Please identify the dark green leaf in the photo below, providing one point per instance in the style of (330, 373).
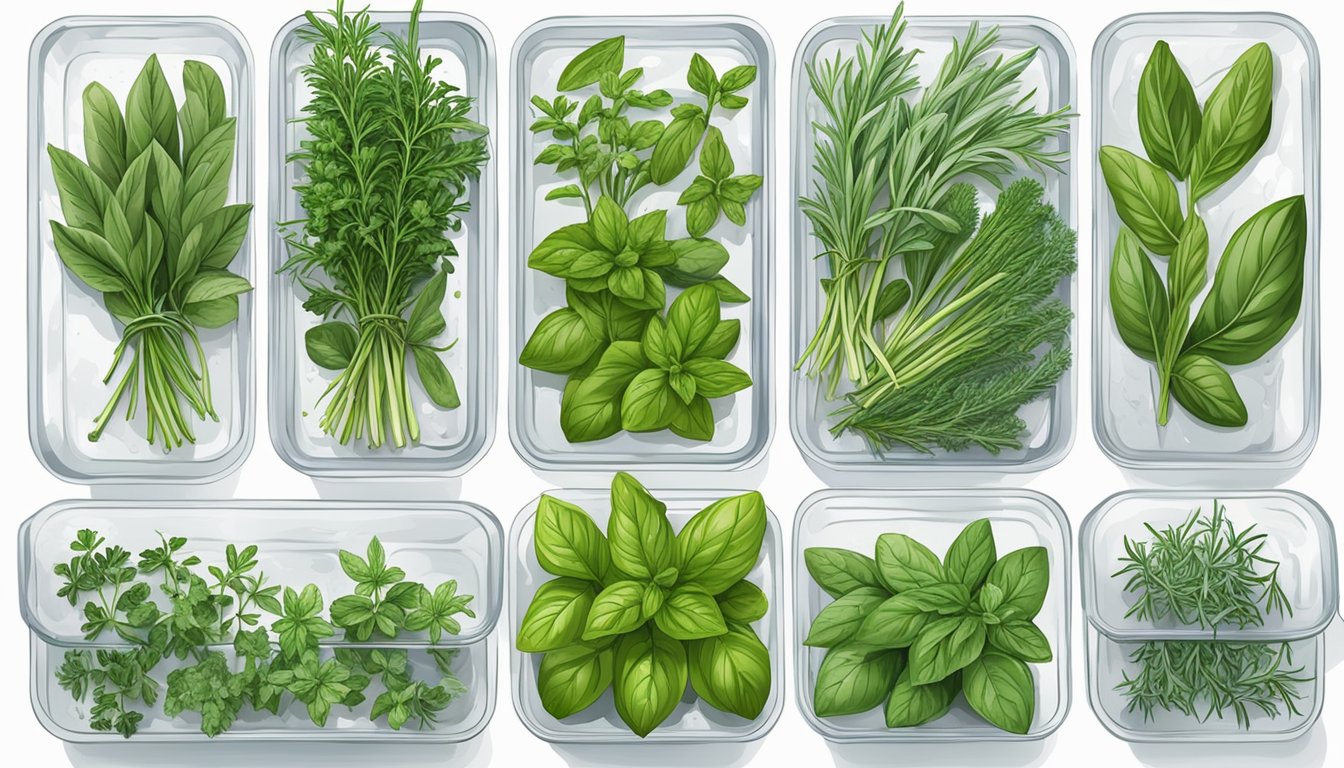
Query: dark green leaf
(104, 135)
(1000, 689)
(331, 345)
(1206, 390)
(910, 705)
(90, 257)
(1144, 197)
(561, 343)
(841, 571)
(1024, 577)
(1022, 640)
(673, 151)
(853, 680)
(971, 555)
(215, 284)
(838, 622)
(1138, 299)
(426, 321)
(435, 378)
(589, 66)
(717, 378)
(151, 114)
(945, 645)
(1236, 121)
(1169, 117)
(84, 196)
(904, 563)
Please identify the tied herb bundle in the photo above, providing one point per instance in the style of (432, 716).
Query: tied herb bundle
(1256, 292)
(935, 331)
(909, 632)
(212, 628)
(628, 365)
(146, 225)
(1205, 572)
(389, 159)
(643, 610)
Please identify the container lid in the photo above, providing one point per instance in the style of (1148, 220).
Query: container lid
(1297, 535)
(298, 543)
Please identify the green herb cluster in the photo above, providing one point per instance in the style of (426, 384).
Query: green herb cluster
(146, 225)
(643, 610)
(209, 624)
(1256, 292)
(389, 159)
(629, 366)
(939, 324)
(908, 632)
(1207, 573)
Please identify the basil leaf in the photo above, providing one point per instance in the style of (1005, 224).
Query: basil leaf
(697, 260)
(894, 623)
(721, 340)
(215, 284)
(651, 675)
(219, 235)
(1257, 289)
(892, 298)
(673, 151)
(1144, 197)
(716, 163)
(435, 377)
(652, 601)
(728, 293)
(84, 196)
(1024, 577)
(607, 56)
(616, 610)
(215, 313)
(701, 76)
(1236, 121)
(1020, 639)
(717, 378)
(331, 344)
(839, 621)
(731, 672)
(573, 678)
(104, 135)
(971, 555)
(945, 645)
(1169, 118)
(904, 563)
(743, 603)
(568, 542)
(556, 616)
(426, 322)
(649, 403)
(560, 344)
(1138, 299)
(910, 705)
(1000, 689)
(557, 252)
(202, 109)
(205, 179)
(591, 407)
(840, 571)
(638, 532)
(722, 542)
(662, 349)
(151, 115)
(1206, 390)
(690, 613)
(737, 78)
(853, 680)
(90, 257)
(694, 421)
(1187, 271)
(692, 317)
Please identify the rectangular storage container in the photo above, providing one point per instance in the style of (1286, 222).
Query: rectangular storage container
(450, 440)
(298, 543)
(662, 46)
(71, 335)
(1050, 79)
(854, 519)
(693, 721)
(1282, 389)
(1299, 536)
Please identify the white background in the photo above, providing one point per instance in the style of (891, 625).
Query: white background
(504, 484)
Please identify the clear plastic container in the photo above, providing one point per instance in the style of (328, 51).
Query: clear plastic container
(298, 544)
(693, 721)
(1300, 537)
(1282, 389)
(663, 46)
(1050, 78)
(451, 441)
(854, 519)
(71, 335)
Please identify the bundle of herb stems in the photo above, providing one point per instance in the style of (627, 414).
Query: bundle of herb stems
(889, 168)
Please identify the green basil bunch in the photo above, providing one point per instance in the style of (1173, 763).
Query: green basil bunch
(643, 610)
(912, 631)
(630, 366)
(1256, 292)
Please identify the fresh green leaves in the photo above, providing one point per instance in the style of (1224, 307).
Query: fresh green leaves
(1256, 293)
(147, 226)
(617, 266)
(644, 610)
(911, 630)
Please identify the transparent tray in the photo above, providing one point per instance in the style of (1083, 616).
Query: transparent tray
(1282, 389)
(854, 519)
(450, 440)
(693, 721)
(71, 335)
(662, 45)
(298, 543)
(1300, 537)
(1050, 420)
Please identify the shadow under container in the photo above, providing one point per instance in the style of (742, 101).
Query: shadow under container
(854, 519)
(298, 544)
(1298, 535)
(693, 721)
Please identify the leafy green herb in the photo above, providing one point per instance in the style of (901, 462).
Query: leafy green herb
(199, 620)
(1256, 292)
(146, 225)
(388, 166)
(630, 366)
(644, 610)
(913, 631)
(937, 325)
(1206, 572)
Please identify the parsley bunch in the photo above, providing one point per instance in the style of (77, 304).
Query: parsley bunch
(233, 660)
